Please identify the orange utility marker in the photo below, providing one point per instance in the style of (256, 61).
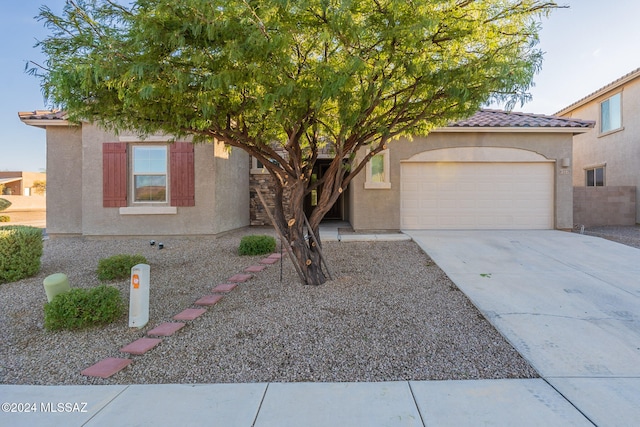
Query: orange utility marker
(139, 296)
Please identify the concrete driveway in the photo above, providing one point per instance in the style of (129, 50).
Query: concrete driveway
(569, 303)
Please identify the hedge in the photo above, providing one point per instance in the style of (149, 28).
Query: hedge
(20, 252)
(81, 308)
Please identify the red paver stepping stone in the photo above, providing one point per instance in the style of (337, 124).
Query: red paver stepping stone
(239, 278)
(275, 256)
(107, 367)
(208, 300)
(255, 268)
(190, 314)
(225, 287)
(166, 329)
(141, 346)
(269, 261)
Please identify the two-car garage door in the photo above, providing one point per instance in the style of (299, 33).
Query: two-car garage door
(477, 195)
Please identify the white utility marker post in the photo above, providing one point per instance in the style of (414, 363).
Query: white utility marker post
(139, 296)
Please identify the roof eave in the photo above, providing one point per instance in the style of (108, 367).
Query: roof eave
(600, 92)
(514, 129)
(43, 123)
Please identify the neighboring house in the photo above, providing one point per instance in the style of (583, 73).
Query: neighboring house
(495, 170)
(100, 184)
(22, 183)
(606, 161)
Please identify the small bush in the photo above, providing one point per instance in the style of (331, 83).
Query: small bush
(256, 245)
(118, 266)
(20, 252)
(80, 308)
(4, 204)
(4, 218)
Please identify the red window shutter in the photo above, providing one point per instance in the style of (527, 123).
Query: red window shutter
(114, 174)
(182, 170)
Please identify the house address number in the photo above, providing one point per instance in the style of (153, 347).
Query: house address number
(565, 171)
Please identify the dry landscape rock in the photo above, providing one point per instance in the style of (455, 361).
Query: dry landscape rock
(391, 314)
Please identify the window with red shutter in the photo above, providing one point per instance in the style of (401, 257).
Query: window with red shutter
(182, 174)
(114, 174)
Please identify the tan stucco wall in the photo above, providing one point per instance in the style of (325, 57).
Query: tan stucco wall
(231, 169)
(620, 150)
(64, 180)
(216, 209)
(379, 209)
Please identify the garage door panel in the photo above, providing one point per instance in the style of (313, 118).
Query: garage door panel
(477, 195)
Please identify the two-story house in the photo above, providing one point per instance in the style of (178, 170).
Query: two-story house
(606, 160)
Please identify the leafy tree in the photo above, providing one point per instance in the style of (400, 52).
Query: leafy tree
(39, 187)
(294, 77)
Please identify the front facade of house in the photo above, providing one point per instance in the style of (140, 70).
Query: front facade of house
(100, 184)
(607, 159)
(495, 170)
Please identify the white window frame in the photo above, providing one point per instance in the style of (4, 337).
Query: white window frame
(257, 167)
(386, 183)
(133, 174)
(606, 106)
(594, 169)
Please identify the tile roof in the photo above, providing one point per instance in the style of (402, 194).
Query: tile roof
(611, 86)
(500, 118)
(482, 119)
(42, 115)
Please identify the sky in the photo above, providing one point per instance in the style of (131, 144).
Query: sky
(587, 46)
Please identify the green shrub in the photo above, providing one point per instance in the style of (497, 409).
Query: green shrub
(20, 252)
(256, 245)
(4, 204)
(118, 266)
(4, 218)
(80, 308)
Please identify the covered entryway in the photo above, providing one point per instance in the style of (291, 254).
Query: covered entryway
(477, 188)
(337, 210)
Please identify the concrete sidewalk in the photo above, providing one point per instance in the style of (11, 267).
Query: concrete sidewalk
(422, 403)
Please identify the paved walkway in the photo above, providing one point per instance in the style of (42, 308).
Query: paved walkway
(569, 303)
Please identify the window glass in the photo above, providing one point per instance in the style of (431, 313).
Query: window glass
(590, 178)
(611, 114)
(150, 174)
(600, 177)
(595, 177)
(377, 168)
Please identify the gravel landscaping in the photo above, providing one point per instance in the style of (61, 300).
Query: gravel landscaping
(391, 314)
(627, 235)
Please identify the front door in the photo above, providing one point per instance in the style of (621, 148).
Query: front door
(311, 201)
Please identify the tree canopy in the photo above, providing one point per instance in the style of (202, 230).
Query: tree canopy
(283, 79)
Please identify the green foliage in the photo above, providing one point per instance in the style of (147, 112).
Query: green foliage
(256, 245)
(350, 73)
(4, 204)
(20, 252)
(273, 76)
(5, 218)
(39, 187)
(80, 308)
(118, 266)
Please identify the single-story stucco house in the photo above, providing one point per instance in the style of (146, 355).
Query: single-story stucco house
(495, 170)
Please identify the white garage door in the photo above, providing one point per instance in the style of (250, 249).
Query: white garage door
(451, 195)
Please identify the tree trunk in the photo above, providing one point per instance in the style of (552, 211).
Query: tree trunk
(305, 250)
